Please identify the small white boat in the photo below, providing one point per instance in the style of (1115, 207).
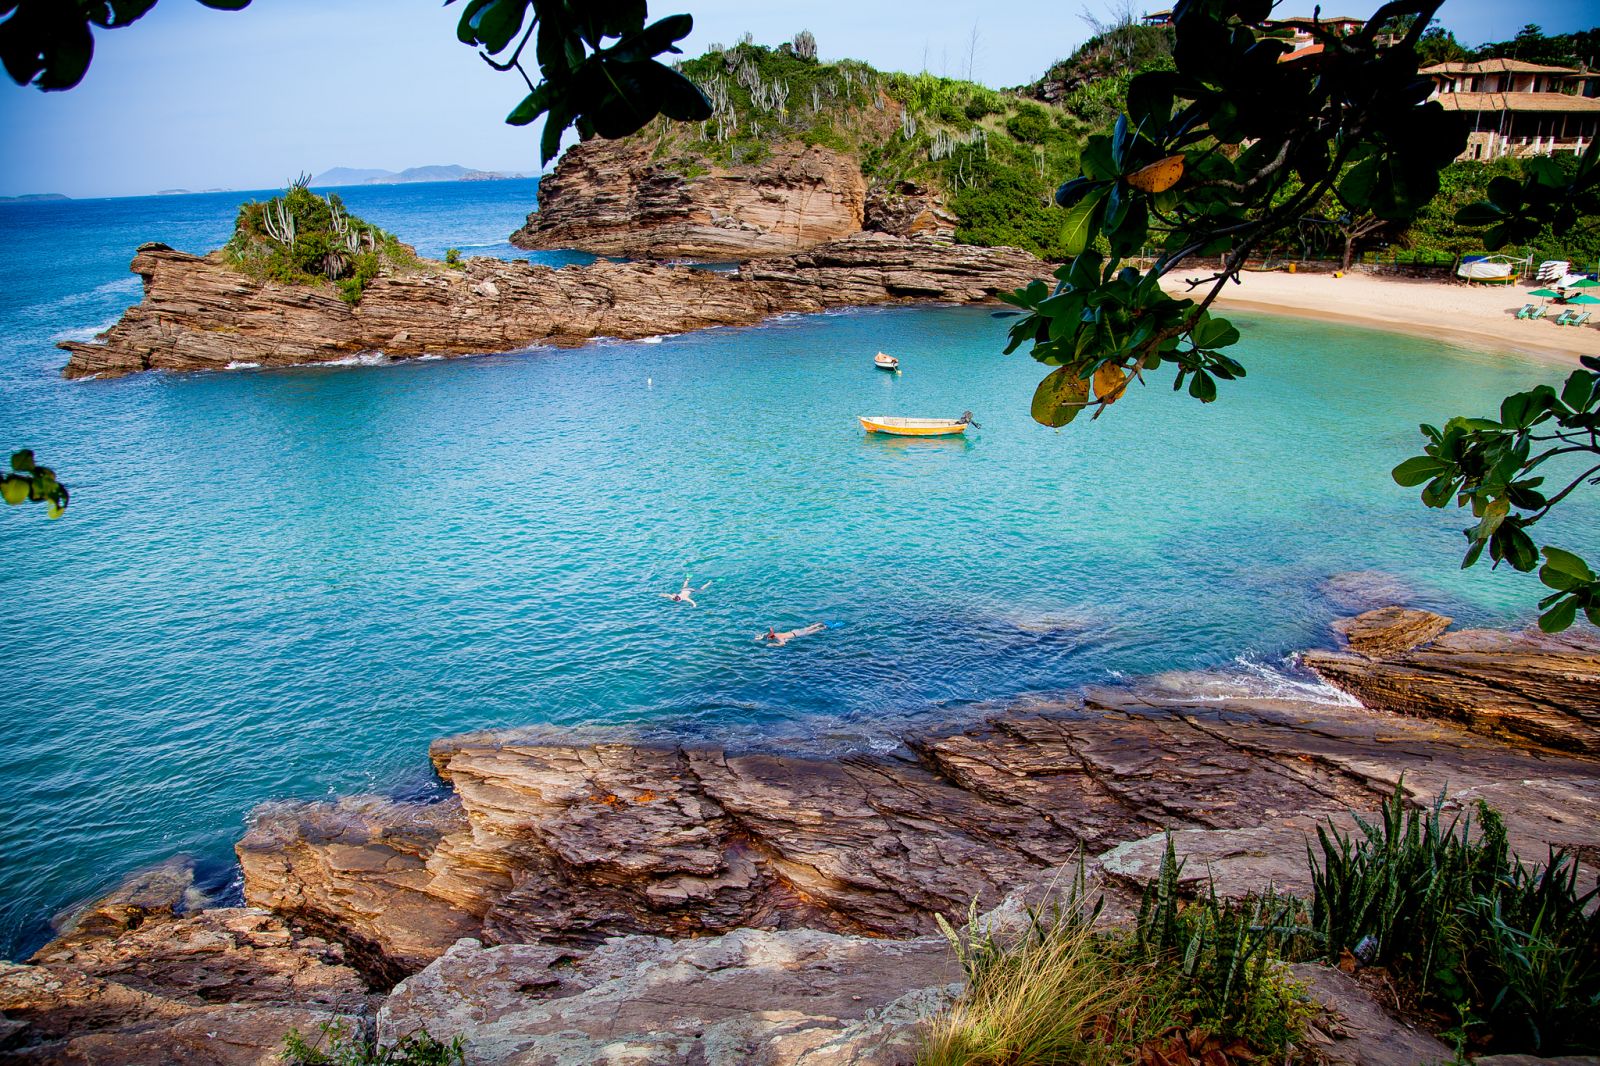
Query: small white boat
(885, 362)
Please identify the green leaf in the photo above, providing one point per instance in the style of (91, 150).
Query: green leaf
(1563, 570)
(1561, 616)
(1203, 387)
(1060, 397)
(533, 105)
(1082, 222)
(1417, 469)
(22, 461)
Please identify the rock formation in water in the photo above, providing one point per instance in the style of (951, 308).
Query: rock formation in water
(1530, 685)
(575, 898)
(200, 314)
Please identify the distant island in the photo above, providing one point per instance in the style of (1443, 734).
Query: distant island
(361, 176)
(33, 198)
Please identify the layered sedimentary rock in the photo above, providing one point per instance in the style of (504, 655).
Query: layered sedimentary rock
(612, 198)
(749, 998)
(137, 983)
(595, 898)
(199, 314)
(546, 841)
(1529, 685)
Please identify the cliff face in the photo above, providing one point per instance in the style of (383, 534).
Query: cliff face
(610, 198)
(199, 314)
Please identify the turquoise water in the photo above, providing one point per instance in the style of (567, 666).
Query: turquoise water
(285, 584)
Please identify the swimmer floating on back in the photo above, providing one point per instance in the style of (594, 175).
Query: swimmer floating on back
(773, 637)
(684, 595)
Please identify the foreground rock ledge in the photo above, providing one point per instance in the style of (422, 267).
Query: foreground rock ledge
(1528, 686)
(613, 901)
(200, 314)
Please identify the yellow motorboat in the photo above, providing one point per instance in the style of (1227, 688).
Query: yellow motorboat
(917, 427)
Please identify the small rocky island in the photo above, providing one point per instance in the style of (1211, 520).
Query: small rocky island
(204, 314)
(586, 898)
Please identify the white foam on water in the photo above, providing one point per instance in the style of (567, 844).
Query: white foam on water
(651, 340)
(86, 333)
(240, 364)
(431, 357)
(359, 359)
(1248, 678)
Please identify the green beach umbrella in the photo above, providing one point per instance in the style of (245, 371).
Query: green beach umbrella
(1548, 294)
(1583, 298)
(1586, 283)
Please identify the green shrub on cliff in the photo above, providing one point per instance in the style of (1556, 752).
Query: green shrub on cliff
(1511, 950)
(300, 238)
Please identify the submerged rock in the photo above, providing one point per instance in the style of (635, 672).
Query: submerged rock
(1529, 685)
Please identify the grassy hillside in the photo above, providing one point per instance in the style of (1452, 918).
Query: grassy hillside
(994, 157)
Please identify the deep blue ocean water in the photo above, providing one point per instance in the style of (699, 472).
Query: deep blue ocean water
(284, 584)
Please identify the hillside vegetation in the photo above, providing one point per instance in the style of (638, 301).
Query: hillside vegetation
(994, 157)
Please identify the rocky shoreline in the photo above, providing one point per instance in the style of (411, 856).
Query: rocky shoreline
(575, 901)
(200, 314)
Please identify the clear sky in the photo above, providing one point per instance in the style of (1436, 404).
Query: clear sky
(198, 99)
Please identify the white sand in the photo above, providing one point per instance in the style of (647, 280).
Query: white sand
(1477, 315)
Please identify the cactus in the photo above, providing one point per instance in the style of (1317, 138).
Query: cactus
(805, 45)
(279, 220)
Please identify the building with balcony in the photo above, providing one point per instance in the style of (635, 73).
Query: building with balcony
(1517, 108)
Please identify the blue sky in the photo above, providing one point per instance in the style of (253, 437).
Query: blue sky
(198, 99)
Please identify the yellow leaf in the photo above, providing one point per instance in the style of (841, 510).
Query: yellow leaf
(1158, 176)
(1110, 383)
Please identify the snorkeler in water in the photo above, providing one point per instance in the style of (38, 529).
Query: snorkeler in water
(685, 594)
(777, 639)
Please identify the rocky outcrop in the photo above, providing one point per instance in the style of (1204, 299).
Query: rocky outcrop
(612, 198)
(609, 198)
(750, 998)
(904, 209)
(1530, 685)
(551, 842)
(138, 984)
(578, 899)
(200, 314)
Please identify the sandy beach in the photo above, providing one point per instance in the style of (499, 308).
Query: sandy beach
(1476, 315)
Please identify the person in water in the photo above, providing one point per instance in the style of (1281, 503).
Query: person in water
(772, 636)
(685, 594)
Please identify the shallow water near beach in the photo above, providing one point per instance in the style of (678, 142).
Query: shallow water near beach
(286, 584)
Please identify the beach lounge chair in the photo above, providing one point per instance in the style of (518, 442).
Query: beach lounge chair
(1538, 312)
(1577, 320)
(1566, 317)
(1526, 312)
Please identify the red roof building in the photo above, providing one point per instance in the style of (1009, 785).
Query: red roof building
(1517, 108)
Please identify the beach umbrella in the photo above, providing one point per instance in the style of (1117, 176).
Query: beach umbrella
(1548, 294)
(1583, 298)
(1586, 283)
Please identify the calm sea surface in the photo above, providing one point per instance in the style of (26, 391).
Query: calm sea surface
(284, 584)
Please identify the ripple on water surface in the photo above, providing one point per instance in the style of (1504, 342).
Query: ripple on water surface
(284, 584)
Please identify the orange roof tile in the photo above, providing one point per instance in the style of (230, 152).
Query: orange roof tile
(1495, 66)
(1557, 102)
